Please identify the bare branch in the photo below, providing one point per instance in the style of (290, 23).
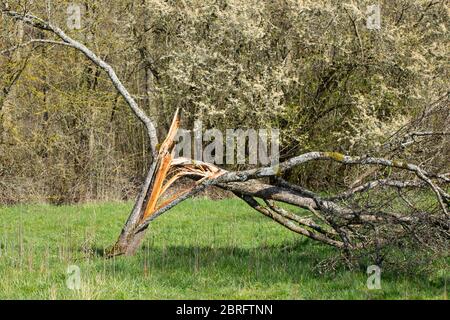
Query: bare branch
(277, 170)
(303, 221)
(42, 41)
(376, 183)
(289, 224)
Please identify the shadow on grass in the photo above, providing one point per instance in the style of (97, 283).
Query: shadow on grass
(284, 263)
(293, 262)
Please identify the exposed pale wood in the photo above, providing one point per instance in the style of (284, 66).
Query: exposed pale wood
(163, 162)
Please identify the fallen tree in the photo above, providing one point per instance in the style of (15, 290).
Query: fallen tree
(405, 201)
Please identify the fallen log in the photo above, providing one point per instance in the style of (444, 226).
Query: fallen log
(331, 223)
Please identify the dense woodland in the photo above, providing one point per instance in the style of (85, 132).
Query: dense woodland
(311, 68)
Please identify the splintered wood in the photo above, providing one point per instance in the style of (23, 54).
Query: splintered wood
(168, 170)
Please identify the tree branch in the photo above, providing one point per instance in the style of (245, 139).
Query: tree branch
(43, 41)
(46, 26)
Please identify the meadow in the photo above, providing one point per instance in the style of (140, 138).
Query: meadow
(201, 249)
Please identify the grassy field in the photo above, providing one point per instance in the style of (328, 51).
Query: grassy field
(201, 249)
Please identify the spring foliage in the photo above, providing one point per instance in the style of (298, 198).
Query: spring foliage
(311, 68)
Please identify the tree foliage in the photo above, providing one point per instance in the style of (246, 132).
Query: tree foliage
(311, 68)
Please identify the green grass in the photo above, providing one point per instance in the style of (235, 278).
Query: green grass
(201, 249)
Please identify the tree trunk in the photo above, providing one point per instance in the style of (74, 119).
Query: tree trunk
(128, 242)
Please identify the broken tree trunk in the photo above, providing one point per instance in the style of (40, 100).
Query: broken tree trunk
(159, 179)
(146, 203)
